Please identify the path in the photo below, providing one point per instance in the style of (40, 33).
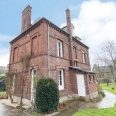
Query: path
(108, 101)
(10, 111)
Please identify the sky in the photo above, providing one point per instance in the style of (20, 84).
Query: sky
(94, 21)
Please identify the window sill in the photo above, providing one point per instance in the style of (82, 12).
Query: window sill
(75, 60)
(61, 89)
(90, 81)
(60, 56)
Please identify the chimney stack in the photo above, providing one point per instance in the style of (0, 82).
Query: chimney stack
(68, 19)
(69, 30)
(26, 18)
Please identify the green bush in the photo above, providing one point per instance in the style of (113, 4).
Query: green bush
(47, 95)
(102, 93)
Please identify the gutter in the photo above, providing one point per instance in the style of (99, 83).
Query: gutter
(88, 85)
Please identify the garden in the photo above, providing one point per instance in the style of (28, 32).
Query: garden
(98, 112)
(111, 87)
(48, 101)
(2, 87)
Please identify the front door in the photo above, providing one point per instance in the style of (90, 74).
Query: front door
(81, 85)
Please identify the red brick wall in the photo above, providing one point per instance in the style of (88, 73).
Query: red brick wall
(58, 62)
(92, 85)
(40, 57)
(79, 49)
(74, 84)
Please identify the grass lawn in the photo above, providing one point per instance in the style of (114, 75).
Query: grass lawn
(2, 92)
(35, 114)
(3, 95)
(109, 87)
(97, 112)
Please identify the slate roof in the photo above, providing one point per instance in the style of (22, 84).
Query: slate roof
(38, 20)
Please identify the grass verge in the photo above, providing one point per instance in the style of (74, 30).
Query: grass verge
(2, 92)
(3, 95)
(109, 87)
(97, 112)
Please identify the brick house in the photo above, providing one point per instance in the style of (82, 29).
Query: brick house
(56, 53)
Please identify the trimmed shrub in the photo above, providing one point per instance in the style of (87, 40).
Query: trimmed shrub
(47, 95)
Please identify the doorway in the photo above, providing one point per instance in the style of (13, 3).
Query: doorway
(81, 85)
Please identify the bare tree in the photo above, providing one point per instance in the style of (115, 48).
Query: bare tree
(99, 72)
(107, 57)
(9, 85)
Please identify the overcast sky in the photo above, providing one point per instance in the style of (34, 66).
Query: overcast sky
(94, 21)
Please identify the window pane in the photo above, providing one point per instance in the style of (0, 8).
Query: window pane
(75, 63)
(83, 57)
(59, 48)
(60, 79)
(34, 73)
(74, 52)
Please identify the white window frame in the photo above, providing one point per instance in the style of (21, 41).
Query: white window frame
(75, 63)
(83, 57)
(61, 79)
(59, 48)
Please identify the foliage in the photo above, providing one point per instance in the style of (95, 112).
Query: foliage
(105, 80)
(102, 93)
(36, 79)
(109, 88)
(62, 106)
(3, 77)
(25, 58)
(2, 70)
(35, 114)
(107, 58)
(97, 112)
(2, 85)
(3, 95)
(99, 88)
(9, 79)
(2, 82)
(47, 95)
